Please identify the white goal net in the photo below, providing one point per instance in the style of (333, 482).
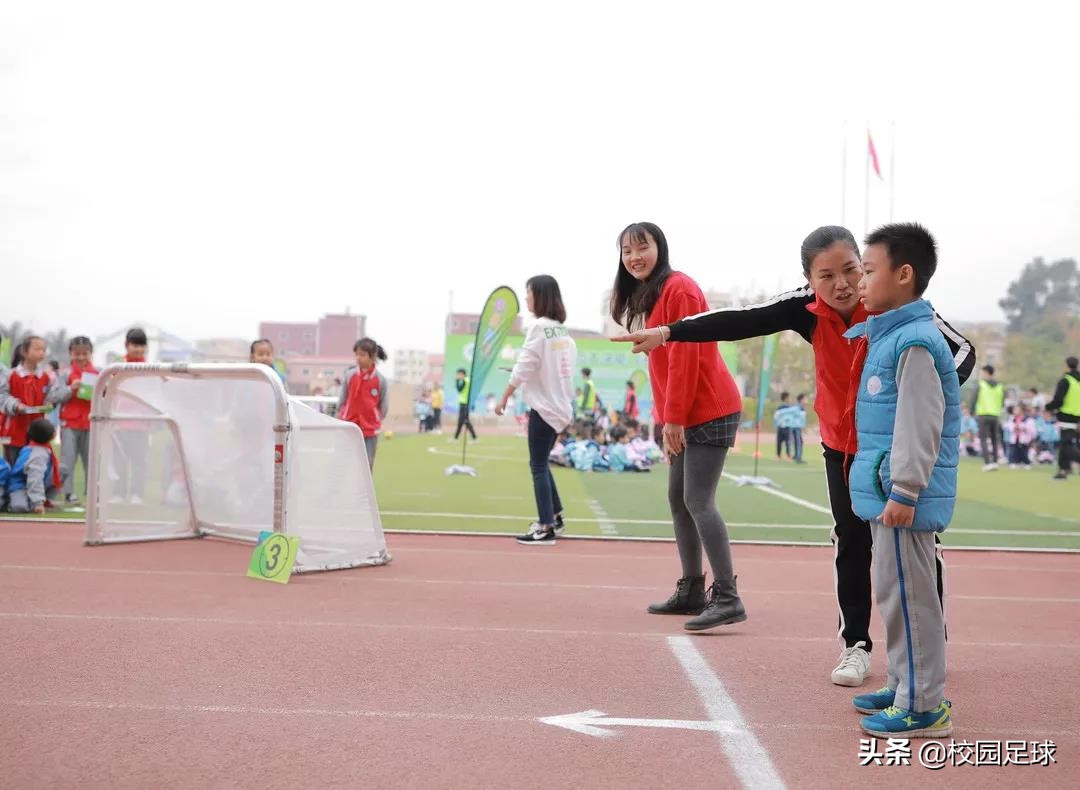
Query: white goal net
(179, 451)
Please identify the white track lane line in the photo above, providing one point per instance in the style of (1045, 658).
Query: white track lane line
(745, 752)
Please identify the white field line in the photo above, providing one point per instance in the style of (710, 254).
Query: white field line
(736, 524)
(806, 503)
(246, 710)
(745, 752)
(374, 579)
(607, 527)
(457, 629)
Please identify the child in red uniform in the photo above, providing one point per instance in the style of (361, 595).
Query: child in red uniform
(75, 416)
(132, 438)
(30, 386)
(364, 396)
(698, 403)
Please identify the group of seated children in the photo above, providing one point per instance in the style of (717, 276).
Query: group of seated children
(1026, 436)
(625, 447)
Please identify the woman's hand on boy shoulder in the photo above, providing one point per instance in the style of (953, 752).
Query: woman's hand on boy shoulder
(897, 515)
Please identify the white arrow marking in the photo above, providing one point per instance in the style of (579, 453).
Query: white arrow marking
(594, 722)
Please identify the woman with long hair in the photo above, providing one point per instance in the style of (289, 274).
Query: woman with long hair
(696, 400)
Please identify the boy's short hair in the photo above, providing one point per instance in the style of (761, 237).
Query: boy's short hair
(785, 395)
(989, 369)
(617, 432)
(461, 371)
(41, 431)
(586, 371)
(908, 243)
(135, 337)
(1072, 363)
(631, 423)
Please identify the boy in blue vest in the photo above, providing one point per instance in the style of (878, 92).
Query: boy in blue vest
(903, 479)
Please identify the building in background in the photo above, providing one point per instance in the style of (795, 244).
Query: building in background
(222, 349)
(466, 323)
(162, 346)
(411, 366)
(333, 335)
(315, 353)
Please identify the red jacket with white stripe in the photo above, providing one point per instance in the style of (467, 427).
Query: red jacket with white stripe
(690, 382)
(75, 413)
(365, 400)
(24, 388)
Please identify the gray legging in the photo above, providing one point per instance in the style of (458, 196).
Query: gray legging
(692, 481)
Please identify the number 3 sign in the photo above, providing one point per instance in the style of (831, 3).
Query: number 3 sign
(273, 558)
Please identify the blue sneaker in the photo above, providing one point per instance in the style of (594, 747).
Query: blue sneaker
(936, 723)
(874, 701)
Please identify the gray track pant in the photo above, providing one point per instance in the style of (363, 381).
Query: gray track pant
(74, 444)
(905, 581)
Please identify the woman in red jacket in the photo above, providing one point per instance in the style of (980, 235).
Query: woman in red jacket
(696, 400)
(821, 312)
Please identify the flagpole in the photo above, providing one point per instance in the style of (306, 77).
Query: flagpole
(892, 171)
(843, 178)
(866, 186)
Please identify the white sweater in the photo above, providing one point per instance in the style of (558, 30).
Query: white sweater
(546, 367)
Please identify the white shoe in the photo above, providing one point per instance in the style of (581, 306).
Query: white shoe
(854, 666)
(990, 467)
(116, 499)
(135, 499)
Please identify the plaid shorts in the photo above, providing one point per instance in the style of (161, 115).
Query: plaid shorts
(716, 433)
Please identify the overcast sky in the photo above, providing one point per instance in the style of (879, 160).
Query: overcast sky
(207, 165)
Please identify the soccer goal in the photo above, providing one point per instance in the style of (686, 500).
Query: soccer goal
(183, 451)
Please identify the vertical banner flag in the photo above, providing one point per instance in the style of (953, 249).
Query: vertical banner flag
(5, 350)
(496, 321)
(767, 351)
(872, 153)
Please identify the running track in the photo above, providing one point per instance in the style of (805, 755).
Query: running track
(162, 665)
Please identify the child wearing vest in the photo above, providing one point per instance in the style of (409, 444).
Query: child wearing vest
(364, 396)
(903, 479)
(35, 475)
(29, 390)
(75, 415)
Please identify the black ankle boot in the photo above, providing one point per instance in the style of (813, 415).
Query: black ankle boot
(724, 607)
(689, 598)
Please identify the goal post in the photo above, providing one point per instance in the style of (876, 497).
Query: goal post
(193, 450)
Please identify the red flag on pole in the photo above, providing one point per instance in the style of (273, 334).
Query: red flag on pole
(872, 153)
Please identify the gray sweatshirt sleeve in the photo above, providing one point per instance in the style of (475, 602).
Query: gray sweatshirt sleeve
(35, 477)
(7, 401)
(920, 416)
(384, 397)
(344, 394)
(57, 392)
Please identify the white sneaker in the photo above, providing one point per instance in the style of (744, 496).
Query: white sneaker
(990, 467)
(854, 666)
(135, 499)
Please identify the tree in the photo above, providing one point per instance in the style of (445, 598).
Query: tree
(1043, 290)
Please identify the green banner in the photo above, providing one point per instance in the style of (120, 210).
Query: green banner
(496, 320)
(5, 351)
(768, 348)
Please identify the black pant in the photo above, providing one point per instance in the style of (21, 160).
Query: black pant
(783, 440)
(853, 545)
(1068, 451)
(989, 436)
(541, 439)
(437, 418)
(463, 421)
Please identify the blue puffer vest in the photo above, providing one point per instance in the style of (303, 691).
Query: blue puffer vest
(889, 335)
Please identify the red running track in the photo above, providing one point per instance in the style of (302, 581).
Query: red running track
(162, 665)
